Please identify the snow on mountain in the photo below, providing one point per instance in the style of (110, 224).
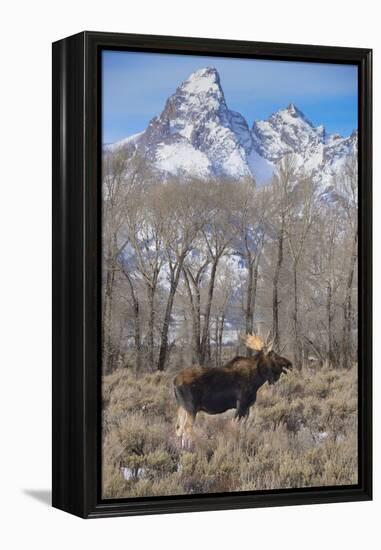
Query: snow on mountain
(198, 135)
(287, 131)
(130, 140)
(336, 152)
(179, 157)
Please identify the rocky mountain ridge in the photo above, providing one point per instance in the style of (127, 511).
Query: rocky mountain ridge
(197, 135)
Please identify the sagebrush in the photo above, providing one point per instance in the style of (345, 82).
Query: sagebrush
(302, 432)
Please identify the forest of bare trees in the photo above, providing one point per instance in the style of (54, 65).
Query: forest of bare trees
(189, 267)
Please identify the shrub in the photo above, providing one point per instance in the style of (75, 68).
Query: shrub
(302, 432)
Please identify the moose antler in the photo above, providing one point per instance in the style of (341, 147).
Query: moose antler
(258, 344)
(282, 349)
(269, 342)
(254, 342)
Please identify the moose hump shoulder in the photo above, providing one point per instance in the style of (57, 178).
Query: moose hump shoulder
(233, 386)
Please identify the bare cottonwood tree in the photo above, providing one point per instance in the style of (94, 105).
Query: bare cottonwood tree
(225, 287)
(299, 222)
(195, 270)
(349, 201)
(121, 171)
(249, 237)
(136, 309)
(191, 264)
(180, 208)
(146, 229)
(282, 185)
(217, 234)
(325, 271)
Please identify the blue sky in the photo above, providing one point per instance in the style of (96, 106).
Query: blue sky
(136, 86)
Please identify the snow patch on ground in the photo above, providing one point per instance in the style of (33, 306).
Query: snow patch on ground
(128, 473)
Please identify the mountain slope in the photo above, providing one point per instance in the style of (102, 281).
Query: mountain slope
(196, 133)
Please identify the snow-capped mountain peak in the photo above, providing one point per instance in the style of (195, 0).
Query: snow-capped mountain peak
(203, 81)
(197, 135)
(294, 112)
(288, 131)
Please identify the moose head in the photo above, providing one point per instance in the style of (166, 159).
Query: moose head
(270, 364)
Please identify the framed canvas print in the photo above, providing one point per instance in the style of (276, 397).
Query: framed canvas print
(212, 274)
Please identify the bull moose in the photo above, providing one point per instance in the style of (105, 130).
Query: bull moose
(233, 386)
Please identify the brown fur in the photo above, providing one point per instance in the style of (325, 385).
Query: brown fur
(233, 386)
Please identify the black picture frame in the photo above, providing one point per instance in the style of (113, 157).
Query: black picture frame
(76, 273)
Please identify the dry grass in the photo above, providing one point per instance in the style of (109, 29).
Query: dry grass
(302, 432)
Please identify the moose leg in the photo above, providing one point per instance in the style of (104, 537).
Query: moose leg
(242, 409)
(187, 438)
(241, 412)
(181, 420)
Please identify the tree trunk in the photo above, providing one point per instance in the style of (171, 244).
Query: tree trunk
(205, 332)
(167, 316)
(329, 320)
(249, 302)
(107, 319)
(216, 340)
(220, 338)
(347, 326)
(298, 363)
(208, 351)
(120, 355)
(275, 328)
(197, 331)
(151, 325)
(254, 295)
(250, 299)
(195, 302)
(136, 310)
(137, 337)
